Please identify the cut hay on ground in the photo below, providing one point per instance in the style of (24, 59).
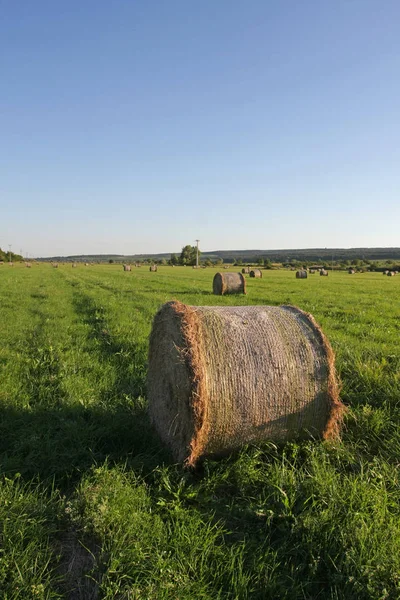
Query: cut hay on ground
(229, 283)
(220, 377)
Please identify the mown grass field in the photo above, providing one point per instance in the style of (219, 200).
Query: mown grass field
(92, 507)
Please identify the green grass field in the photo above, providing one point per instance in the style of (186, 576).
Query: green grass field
(92, 507)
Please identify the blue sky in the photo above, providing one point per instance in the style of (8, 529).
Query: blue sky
(139, 126)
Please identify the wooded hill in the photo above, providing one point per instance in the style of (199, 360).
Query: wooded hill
(251, 256)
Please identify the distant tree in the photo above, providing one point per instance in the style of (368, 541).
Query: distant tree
(267, 263)
(173, 260)
(188, 255)
(111, 261)
(260, 261)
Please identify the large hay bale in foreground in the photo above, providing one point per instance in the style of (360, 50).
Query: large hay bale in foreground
(301, 275)
(255, 273)
(223, 376)
(229, 283)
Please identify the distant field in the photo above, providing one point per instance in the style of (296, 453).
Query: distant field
(91, 505)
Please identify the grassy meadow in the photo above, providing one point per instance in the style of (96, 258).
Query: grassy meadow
(92, 506)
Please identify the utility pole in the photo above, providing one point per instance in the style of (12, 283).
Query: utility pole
(197, 254)
(9, 252)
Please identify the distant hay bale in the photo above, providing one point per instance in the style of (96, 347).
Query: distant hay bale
(74, 265)
(226, 266)
(28, 265)
(11, 264)
(351, 271)
(220, 377)
(246, 270)
(323, 273)
(153, 268)
(55, 265)
(229, 283)
(312, 271)
(391, 274)
(127, 268)
(301, 275)
(256, 273)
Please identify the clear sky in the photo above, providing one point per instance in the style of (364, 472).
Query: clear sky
(132, 126)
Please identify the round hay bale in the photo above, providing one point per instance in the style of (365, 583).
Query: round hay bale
(255, 273)
(391, 274)
(312, 271)
(301, 275)
(385, 272)
(223, 376)
(127, 268)
(323, 273)
(153, 268)
(246, 270)
(351, 271)
(229, 283)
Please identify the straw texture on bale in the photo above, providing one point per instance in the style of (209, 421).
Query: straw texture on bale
(220, 377)
(255, 273)
(229, 283)
(301, 275)
(127, 268)
(323, 272)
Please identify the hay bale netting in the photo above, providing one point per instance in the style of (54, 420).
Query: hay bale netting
(229, 283)
(255, 273)
(323, 273)
(223, 376)
(127, 268)
(153, 268)
(301, 275)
